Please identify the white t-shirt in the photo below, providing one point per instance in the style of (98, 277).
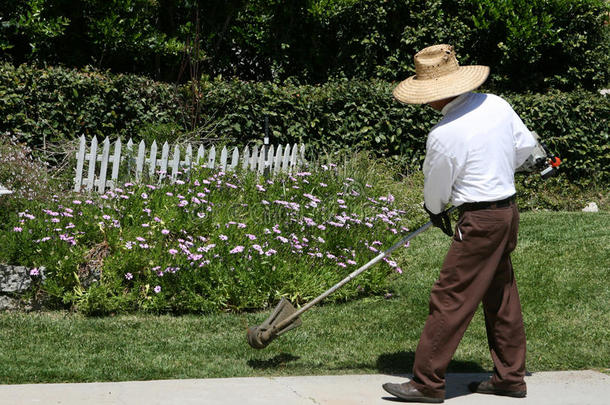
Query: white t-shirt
(472, 153)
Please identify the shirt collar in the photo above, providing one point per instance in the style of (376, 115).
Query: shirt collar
(455, 102)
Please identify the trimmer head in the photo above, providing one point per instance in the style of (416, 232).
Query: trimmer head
(260, 336)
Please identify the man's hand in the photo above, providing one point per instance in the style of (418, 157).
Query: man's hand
(441, 221)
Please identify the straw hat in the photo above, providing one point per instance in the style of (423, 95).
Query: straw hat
(438, 76)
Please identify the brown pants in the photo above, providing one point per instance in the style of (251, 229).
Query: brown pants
(477, 268)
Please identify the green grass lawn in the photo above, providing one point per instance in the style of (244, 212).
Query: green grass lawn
(563, 271)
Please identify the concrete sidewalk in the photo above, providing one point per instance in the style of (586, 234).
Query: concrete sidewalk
(546, 388)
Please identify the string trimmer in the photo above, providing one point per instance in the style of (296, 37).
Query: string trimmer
(286, 317)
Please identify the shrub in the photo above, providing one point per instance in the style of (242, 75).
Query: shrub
(56, 104)
(363, 115)
(575, 126)
(27, 177)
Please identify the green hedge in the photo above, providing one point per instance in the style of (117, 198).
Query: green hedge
(56, 104)
(348, 114)
(62, 104)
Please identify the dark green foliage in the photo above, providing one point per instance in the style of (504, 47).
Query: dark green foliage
(125, 35)
(53, 105)
(530, 44)
(575, 126)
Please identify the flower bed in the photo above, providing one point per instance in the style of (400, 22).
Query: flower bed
(217, 242)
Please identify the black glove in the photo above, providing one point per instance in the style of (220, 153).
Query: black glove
(441, 221)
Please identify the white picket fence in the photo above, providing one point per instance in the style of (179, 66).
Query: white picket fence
(266, 159)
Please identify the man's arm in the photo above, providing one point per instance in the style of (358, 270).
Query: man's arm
(525, 141)
(439, 170)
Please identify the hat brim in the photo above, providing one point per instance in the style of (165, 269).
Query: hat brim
(465, 79)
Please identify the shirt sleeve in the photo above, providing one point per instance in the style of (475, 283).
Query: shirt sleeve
(439, 172)
(524, 141)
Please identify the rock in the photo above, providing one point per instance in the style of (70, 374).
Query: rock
(8, 303)
(592, 207)
(14, 279)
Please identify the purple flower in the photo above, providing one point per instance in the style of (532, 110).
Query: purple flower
(223, 237)
(165, 231)
(34, 272)
(157, 289)
(17, 229)
(172, 251)
(237, 249)
(128, 276)
(309, 221)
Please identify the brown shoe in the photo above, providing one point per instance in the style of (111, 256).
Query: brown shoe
(486, 387)
(408, 393)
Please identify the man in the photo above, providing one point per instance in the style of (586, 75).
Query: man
(471, 157)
